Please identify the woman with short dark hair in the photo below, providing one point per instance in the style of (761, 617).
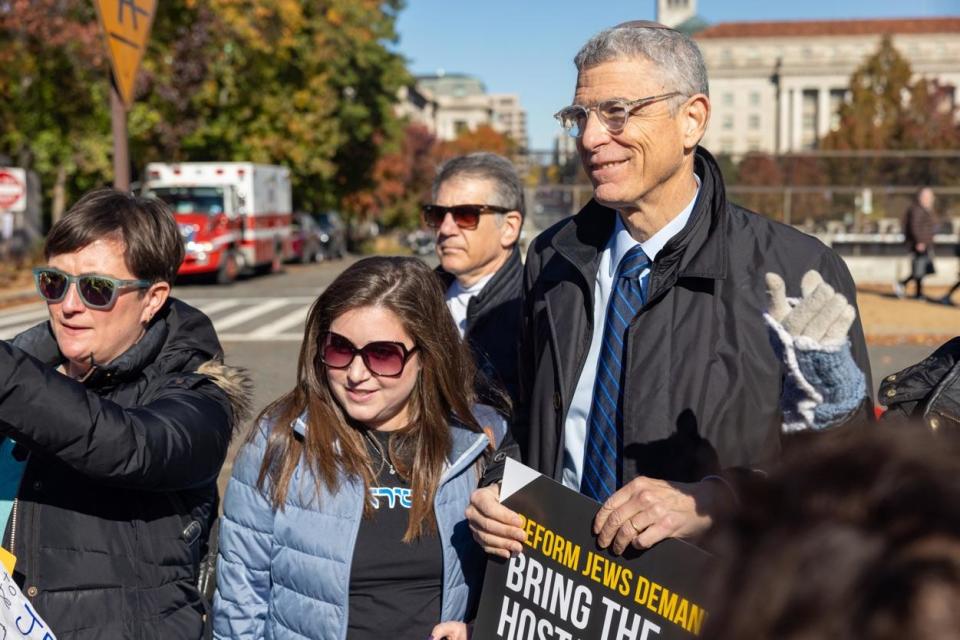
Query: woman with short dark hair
(117, 413)
(345, 513)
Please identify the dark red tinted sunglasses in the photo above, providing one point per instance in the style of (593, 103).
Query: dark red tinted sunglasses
(467, 216)
(382, 358)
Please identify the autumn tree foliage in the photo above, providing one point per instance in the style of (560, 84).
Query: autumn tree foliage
(401, 181)
(889, 110)
(482, 138)
(403, 175)
(54, 114)
(306, 84)
(760, 170)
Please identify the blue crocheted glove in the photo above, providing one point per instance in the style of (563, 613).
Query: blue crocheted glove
(823, 384)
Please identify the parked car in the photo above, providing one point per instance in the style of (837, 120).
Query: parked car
(333, 234)
(421, 242)
(308, 239)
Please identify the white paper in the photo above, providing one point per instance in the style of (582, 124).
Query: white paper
(18, 620)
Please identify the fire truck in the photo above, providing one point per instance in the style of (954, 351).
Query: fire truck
(234, 216)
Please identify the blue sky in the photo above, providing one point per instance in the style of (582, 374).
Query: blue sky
(527, 46)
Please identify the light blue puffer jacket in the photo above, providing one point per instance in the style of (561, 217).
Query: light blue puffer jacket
(285, 575)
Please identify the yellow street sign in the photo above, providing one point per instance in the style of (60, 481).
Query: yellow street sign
(126, 27)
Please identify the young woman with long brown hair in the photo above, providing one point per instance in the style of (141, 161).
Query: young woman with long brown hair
(345, 512)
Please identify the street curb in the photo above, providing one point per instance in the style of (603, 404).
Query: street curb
(908, 339)
(16, 296)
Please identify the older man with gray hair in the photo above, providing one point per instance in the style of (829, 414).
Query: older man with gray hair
(477, 213)
(648, 380)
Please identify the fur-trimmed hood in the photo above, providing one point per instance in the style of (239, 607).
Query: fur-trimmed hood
(236, 383)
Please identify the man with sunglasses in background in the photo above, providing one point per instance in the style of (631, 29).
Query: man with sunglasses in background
(648, 381)
(477, 213)
(116, 415)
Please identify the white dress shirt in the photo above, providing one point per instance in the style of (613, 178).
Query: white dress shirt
(458, 297)
(575, 428)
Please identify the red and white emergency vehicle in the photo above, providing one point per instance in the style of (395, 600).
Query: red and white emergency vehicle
(234, 216)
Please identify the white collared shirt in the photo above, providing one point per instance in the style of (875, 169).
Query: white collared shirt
(458, 297)
(620, 242)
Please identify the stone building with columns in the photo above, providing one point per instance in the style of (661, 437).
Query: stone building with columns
(776, 86)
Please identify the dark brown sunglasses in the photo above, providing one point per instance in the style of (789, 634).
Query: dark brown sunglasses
(466, 216)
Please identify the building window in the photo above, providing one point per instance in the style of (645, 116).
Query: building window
(459, 126)
(728, 121)
(726, 145)
(754, 98)
(754, 121)
(728, 99)
(837, 97)
(753, 144)
(808, 119)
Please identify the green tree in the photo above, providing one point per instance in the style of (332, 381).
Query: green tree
(305, 84)
(54, 116)
(301, 83)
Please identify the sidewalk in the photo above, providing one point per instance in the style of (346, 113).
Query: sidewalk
(889, 321)
(16, 289)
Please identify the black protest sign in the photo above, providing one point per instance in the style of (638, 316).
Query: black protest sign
(564, 587)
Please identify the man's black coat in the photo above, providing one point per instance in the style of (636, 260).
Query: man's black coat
(493, 324)
(702, 381)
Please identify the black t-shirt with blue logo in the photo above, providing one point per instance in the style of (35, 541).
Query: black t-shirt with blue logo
(395, 587)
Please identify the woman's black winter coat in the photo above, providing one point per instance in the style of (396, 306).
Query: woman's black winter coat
(119, 491)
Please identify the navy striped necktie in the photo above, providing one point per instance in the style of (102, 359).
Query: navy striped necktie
(603, 456)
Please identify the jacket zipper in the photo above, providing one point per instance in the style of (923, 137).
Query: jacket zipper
(13, 527)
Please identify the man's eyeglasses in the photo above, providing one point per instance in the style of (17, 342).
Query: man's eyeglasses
(467, 216)
(613, 114)
(382, 358)
(96, 291)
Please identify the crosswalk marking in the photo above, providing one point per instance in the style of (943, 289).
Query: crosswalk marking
(258, 319)
(215, 306)
(34, 315)
(247, 315)
(280, 325)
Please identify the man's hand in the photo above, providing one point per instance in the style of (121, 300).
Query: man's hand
(495, 528)
(645, 511)
(450, 631)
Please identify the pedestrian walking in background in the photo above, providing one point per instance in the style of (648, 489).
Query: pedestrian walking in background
(919, 225)
(344, 517)
(117, 413)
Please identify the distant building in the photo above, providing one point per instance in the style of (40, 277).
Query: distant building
(564, 148)
(776, 86)
(416, 106)
(680, 15)
(509, 117)
(460, 102)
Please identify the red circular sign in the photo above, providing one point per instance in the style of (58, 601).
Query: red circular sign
(11, 190)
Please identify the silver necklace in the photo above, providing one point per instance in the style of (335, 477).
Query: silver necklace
(384, 456)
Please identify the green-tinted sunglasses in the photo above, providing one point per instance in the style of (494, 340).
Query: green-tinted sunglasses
(96, 291)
